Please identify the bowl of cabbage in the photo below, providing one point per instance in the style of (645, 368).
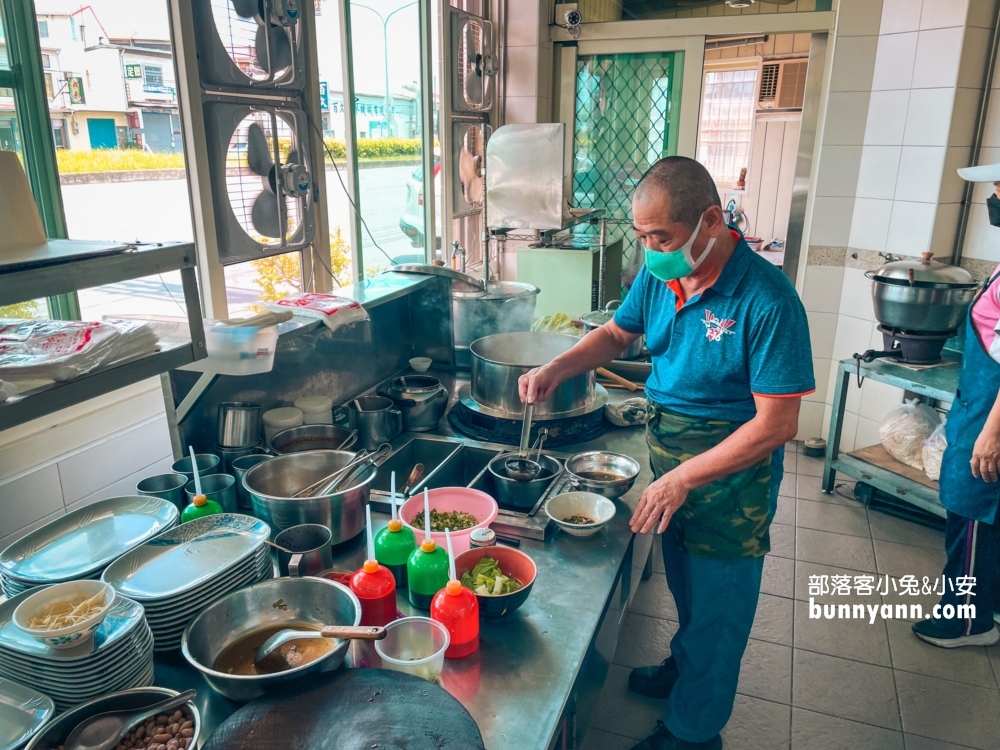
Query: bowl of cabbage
(500, 577)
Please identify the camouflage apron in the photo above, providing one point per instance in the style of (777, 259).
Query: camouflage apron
(726, 519)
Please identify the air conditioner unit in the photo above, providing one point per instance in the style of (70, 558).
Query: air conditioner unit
(782, 85)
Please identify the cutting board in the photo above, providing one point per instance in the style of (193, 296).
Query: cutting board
(352, 709)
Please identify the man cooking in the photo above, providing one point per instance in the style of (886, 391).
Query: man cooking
(731, 361)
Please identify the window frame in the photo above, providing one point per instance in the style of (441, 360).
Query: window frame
(739, 63)
(146, 68)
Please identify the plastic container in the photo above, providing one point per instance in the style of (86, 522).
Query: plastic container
(315, 409)
(479, 504)
(375, 588)
(415, 645)
(426, 573)
(457, 609)
(393, 546)
(237, 350)
(282, 418)
(200, 506)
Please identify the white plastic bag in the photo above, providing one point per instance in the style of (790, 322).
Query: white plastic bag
(905, 429)
(932, 452)
(332, 310)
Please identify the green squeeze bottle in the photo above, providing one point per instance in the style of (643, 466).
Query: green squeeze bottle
(394, 544)
(427, 566)
(200, 505)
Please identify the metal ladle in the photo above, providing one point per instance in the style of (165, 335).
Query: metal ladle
(521, 468)
(364, 633)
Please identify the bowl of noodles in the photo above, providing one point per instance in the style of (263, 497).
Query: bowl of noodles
(65, 615)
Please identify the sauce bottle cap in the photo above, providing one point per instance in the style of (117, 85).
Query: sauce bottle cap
(370, 566)
(428, 545)
(453, 587)
(395, 525)
(199, 500)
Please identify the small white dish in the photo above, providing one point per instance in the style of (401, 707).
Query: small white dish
(588, 504)
(421, 364)
(72, 635)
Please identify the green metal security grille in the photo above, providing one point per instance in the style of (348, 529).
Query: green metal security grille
(627, 108)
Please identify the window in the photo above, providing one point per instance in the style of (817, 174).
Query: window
(59, 133)
(49, 88)
(43, 29)
(152, 75)
(46, 61)
(727, 119)
(72, 27)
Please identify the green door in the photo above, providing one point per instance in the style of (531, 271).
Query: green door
(102, 132)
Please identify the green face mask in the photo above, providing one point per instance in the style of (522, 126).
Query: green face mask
(675, 264)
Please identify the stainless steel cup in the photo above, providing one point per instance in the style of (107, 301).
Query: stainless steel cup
(239, 424)
(240, 467)
(165, 486)
(208, 463)
(377, 421)
(310, 545)
(228, 455)
(218, 487)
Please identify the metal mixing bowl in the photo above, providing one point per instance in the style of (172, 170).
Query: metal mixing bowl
(623, 467)
(56, 731)
(317, 601)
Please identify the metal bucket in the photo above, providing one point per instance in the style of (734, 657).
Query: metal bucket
(507, 307)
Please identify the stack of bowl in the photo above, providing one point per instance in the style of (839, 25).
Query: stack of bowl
(182, 571)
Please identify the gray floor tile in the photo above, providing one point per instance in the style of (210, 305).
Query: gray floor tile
(773, 622)
(786, 510)
(766, 672)
(623, 712)
(596, 739)
(794, 445)
(791, 462)
(892, 529)
(644, 640)
(924, 603)
(949, 711)
(757, 725)
(899, 560)
(779, 576)
(839, 550)
(850, 639)
(994, 654)
(848, 689)
(837, 519)
(787, 485)
(809, 466)
(915, 742)
(910, 654)
(815, 731)
(806, 571)
(654, 599)
(810, 488)
(782, 540)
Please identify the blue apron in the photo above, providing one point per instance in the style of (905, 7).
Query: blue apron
(978, 386)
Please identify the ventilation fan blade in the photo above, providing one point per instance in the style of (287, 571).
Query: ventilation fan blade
(258, 151)
(473, 86)
(264, 214)
(293, 157)
(245, 8)
(281, 49)
(471, 43)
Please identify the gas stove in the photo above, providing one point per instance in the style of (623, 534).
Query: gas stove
(909, 347)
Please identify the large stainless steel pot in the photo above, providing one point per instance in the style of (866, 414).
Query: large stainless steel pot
(499, 360)
(596, 318)
(422, 399)
(272, 483)
(921, 295)
(311, 437)
(506, 307)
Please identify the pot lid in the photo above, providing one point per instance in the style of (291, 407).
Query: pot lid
(460, 282)
(600, 317)
(924, 271)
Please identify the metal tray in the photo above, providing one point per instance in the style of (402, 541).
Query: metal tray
(181, 559)
(23, 711)
(80, 543)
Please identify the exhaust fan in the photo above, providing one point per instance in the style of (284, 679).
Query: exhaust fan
(468, 164)
(475, 62)
(260, 179)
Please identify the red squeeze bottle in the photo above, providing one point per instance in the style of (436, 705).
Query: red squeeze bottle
(457, 609)
(375, 588)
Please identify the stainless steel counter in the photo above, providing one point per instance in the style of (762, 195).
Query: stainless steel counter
(545, 662)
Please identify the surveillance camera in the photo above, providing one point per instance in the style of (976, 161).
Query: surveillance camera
(573, 17)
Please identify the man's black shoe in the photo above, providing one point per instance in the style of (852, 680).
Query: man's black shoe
(654, 682)
(661, 739)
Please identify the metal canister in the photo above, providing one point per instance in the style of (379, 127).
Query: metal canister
(483, 538)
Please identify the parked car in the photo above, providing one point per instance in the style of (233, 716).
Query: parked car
(412, 221)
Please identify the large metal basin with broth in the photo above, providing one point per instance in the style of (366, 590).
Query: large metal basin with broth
(272, 483)
(499, 360)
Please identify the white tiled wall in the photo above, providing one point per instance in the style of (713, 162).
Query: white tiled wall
(108, 467)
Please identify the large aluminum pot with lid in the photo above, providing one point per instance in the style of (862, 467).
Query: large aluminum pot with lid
(596, 318)
(422, 399)
(499, 360)
(923, 295)
(504, 307)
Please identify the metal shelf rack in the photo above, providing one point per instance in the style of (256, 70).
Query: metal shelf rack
(18, 284)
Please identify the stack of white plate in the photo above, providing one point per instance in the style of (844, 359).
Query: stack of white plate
(81, 544)
(183, 570)
(119, 657)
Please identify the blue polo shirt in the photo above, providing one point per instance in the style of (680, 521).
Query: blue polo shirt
(746, 334)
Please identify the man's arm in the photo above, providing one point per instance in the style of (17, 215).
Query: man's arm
(597, 348)
(986, 452)
(775, 424)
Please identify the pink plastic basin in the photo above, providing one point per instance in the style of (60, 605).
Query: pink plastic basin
(479, 504)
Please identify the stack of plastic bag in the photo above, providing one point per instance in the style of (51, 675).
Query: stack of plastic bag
(334, 311)
(933, 451)
(905, 429)
(65, 349)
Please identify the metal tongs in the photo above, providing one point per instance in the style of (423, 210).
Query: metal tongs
(330, 484)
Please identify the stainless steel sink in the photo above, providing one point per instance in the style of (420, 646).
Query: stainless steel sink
(462, 468)
(432, 453)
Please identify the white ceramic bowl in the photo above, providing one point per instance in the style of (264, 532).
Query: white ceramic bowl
(73, 635)
(421, 364)
(588, 504)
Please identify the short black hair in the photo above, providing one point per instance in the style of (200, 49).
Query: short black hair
(689, 185)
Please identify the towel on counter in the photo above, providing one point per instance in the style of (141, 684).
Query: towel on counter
(628, 413)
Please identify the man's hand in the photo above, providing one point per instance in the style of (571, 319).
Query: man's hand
(986, 456)
(660, 500)
(537, 385)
